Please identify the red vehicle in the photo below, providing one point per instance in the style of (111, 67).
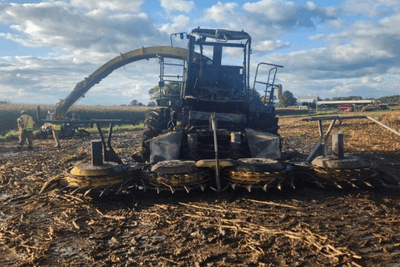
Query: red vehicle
(347, 107)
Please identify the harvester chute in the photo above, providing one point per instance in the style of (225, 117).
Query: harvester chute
(135, 55)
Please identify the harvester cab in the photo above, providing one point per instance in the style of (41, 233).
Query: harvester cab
(221, 122)
(208, 79)
(216, 79)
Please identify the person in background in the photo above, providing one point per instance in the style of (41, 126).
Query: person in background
(25, 125)
(56, 128)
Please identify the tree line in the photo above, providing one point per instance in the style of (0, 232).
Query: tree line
(287, 98)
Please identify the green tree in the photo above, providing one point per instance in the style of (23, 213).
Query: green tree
(340, 98)
(135, 103)
(287, 99)
(393, 100)
(170, 88)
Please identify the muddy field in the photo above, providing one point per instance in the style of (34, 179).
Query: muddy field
(307, 226)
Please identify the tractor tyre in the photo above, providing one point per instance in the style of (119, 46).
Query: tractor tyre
(155, 122)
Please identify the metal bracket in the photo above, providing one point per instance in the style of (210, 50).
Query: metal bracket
(109, 153)
(321, 148)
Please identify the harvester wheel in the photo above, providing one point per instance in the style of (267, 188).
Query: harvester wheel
(155, 122)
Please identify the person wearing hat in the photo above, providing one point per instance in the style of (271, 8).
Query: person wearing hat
(25, 126)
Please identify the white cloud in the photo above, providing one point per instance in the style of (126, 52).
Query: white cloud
(277, 10)
(378, 79)
(179, 24)
(372, 79)
(119, 5)
(336, 24)
(344, 89)
(360, 60)
(289, 14)
(316, 36)
(370, 40)
(48, 80)
(60, 26)
(179, 5)
(221, 12)
(37, 77)
(270, 45)
(371, 8)
(311, 5)
(80, 42)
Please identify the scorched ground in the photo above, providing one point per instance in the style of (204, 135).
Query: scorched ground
(307, 226)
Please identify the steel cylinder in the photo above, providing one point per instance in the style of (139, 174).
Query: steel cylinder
(278, 91)
(337, 146)
(97, 153)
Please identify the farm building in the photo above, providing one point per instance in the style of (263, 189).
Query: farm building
(345, 104)
(307, 99)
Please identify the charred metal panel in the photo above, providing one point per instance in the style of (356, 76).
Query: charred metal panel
(221, 34)
(263, 145)
(258, 106)
(165, 147)
(226, 117)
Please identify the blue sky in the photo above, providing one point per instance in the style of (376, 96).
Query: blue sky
(328, 48)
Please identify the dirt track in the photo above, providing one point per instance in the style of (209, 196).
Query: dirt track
(303, 227)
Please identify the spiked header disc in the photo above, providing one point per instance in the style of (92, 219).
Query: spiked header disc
(349, 162)
(174, 167)
(88, 170)
(210, 163)
(87, 175)
(260, 165)
(173, 174)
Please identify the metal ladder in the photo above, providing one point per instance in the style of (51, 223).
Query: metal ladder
(269, 86)
(169, 77)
